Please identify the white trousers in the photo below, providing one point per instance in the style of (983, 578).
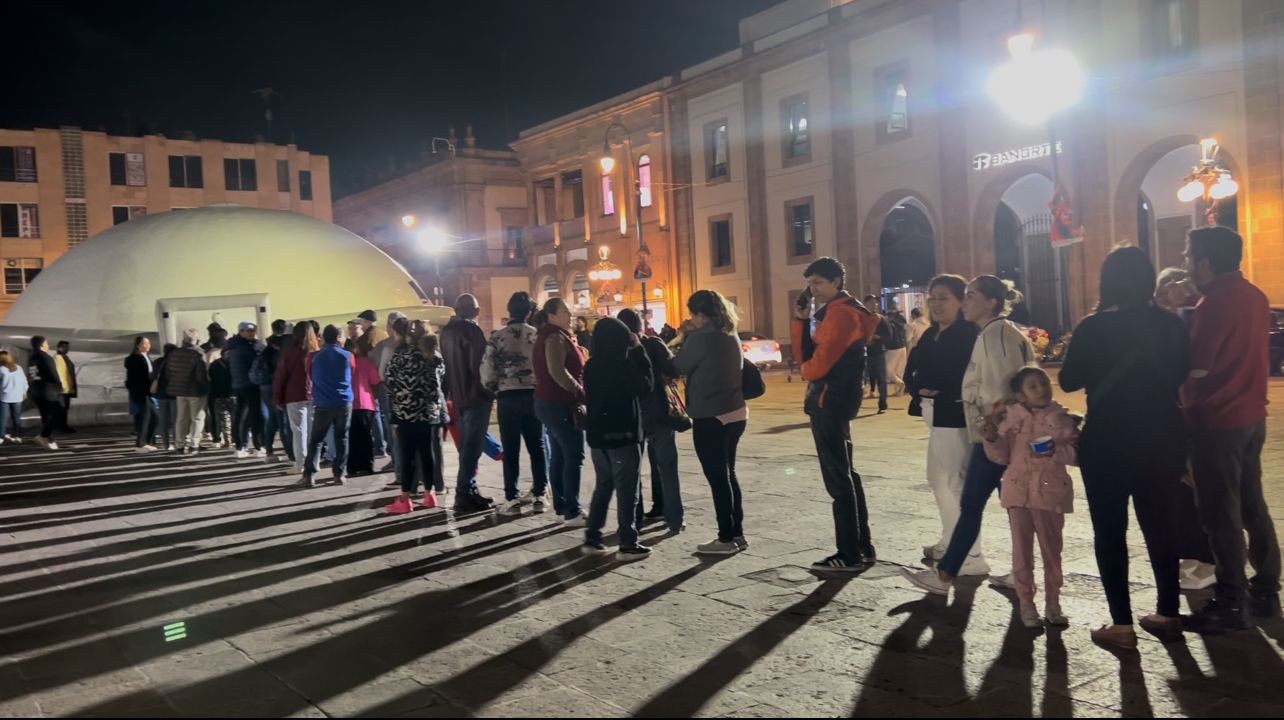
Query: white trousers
(300, 415)
(191, 421)
(948, 451)
(896, 367)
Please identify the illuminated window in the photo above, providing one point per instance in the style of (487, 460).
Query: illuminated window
(891, 83)
(608, 196)
(797, 139)
(644, 179)
(716, 151)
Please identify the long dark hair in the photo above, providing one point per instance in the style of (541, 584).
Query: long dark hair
(995, 288)
(711, 304)
(552, 306)
(1127, 280)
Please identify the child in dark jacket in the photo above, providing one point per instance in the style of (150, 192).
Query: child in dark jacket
(617, 377)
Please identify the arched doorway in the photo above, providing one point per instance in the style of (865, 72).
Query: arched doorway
(1163, 220)
(907, 251)
(547, 288)
(581, 298)
(1023, 253)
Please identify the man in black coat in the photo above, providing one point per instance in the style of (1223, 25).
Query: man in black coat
(45, 390)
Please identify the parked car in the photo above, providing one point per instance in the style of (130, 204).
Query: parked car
(1277, 341)
(761, 350)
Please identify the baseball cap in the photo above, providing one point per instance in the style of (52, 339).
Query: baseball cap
(368, 315)
(246, 325)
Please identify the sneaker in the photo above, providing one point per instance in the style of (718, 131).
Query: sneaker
(526, 498)
(430, 501)
(261, 453)
(836, 563)
(1120, 636)
(934, 552)
(147, 449)
(400, 506)
(1196, 575)
(1167, 629)
(974, 565)
(928, 580)
(595, 548)
(578, 521)
(537, 505)
(882, 411)
(740, 542)
(170, 448)
(637, 552)
(294, 470)
(717, 547)
(1003, 582)
(51, 445)
(242, 454)
(1264, 605)
(1218, 616)
(470, 503)
(308, 481)
(1052, 613)
(510, 507)
(340, 479)
(678, 530)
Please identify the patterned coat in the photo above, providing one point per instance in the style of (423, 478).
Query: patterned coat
(415, 386)
(506, 365)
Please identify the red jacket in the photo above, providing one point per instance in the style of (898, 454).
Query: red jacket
(1229, 356)
(291, 382)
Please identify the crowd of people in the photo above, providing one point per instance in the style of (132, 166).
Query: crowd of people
(1175, 373)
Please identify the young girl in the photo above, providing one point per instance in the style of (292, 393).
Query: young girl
(1035, 438)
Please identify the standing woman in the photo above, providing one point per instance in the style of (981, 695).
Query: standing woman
(559, 393)
(13, 388)
(1133, 358)
(365, 381)
(934, 379)
(414, 387)
(583, 335)
(711, 361)
(999, 352)
(292, 389)
(142, 404)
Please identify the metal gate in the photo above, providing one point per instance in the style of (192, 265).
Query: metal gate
(1043, 272)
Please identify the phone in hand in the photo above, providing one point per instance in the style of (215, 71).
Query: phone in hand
(804, 299)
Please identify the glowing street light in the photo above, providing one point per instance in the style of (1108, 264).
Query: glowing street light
(433, 240)
(1035, 85)
(607, 162)
(1208, 179)
(409, 220)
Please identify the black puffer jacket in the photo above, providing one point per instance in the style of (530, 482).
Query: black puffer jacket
(185, 375)
(240, 354)
(616, 378)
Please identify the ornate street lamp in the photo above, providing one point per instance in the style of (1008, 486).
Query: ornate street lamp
(642, 269)
(1207, 180)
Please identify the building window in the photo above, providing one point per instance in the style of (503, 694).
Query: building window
(127, 169)
(1173, 28)
(608, 196)
(514, 251)
(185, 171)
(19, 220)
(240, 174)
(800, 228)
(644, 179)
(720, 244)
(17, 164)
(545, 201)
(122, 213)
(283, 175)
(716, 151)
(797, 133)
(891, 83)
(305, 184)
(573, 194)
(19, 272)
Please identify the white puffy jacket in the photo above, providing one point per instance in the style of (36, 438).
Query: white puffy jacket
(999, 352)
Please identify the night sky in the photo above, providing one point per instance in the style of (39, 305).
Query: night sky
(367, 82)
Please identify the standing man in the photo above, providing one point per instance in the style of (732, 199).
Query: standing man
(833, 361)
(67, 376)
(331, 371)
(45, 390)
(463, 345)
(508, 373)
(187, 379)
(241, 352)
(876, 355)
(1225, 403)
(138, 382)
(383, 352)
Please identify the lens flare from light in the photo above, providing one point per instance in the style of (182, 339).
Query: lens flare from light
(1034, 86)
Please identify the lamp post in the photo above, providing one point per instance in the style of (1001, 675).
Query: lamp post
(1208, 180)
(642, 270)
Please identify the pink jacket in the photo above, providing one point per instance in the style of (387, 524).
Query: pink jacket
(364, 378)
(1032, 481)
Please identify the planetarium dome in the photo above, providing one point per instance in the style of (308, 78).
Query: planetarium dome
(308, 267)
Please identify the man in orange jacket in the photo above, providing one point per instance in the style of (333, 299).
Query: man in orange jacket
(833, 364)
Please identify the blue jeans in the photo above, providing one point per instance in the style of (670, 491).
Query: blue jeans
(249, 418)
(472, 440)
(517, 421)
(274, 423)
(167, 409)
(666, 489)
(617, 474)
(11, 412)
(324, 420)
(378, 430)
(979, 484)
(567, 455)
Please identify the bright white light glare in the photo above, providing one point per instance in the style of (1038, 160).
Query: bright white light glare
(1020, 44)
(1224, 187)
(1207, 147)
(657, 292)
(608, 164)
(1034, 86)
(408, 220)
(1190, 191)
(618, 297)
(433, 240)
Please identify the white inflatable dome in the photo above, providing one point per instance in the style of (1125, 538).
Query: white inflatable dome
(310, 269)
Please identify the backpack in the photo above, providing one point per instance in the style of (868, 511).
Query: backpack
(263, 368)
(897, 339)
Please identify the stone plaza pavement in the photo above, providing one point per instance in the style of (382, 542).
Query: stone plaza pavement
(158, 586)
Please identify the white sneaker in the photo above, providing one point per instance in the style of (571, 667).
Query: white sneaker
(51, 445)
(717, 547)
(261, 453)
(974, 565)
(510, 507)
(1030, 617)
(578, 521)
(526, 498)
(1003, 582)
(294, 470)
(927, 580)
(147, 449)
(170, 448)
(934, 552)
(242, 454)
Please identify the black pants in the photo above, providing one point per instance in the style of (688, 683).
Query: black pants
(833, 436)
(249, 418)
(876, 372)
(517, 421)
(66, 412)
(715, 446)
(1228, 481)
(1155, 496)
(145, 420)
(414, 448)
(361, 442)
(51, 416)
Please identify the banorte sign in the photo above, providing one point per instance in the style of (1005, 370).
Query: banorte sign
(985, 161)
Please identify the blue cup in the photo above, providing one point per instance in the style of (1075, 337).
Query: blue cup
(1042, 445)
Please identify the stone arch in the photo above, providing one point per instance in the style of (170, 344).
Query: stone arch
(572, 268)
(982, 255)
(539, 278)
(1129, 185)
(873, 228)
